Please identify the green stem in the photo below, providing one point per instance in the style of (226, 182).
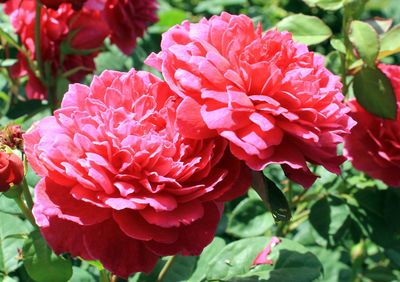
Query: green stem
(43, 74)
(165, 269)
(281, 229)
(344, 74)
(27, 194)
(52, 95)
(345, 58)
(104, 276)
(38, 51)
(27, 212)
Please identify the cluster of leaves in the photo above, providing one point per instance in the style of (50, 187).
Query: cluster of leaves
(342, 229)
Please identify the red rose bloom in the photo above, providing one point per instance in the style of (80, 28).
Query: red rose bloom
(374, 143)
(120, 179)
(57, 28)
(272, 99)
(34, 87)
(11, 170)
(127, 19)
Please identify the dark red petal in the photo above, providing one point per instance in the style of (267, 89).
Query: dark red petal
(117, 252)
(195, 237)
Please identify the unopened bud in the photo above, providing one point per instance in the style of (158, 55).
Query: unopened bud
(11, 170)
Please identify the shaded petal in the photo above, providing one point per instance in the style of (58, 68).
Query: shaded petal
(118, 253)
(134, 226)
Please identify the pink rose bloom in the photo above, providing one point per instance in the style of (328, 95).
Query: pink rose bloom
(374, 144)
(56, 29)
(121, 181)
(272, 99)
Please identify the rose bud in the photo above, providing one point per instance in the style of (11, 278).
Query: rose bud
(11, 170)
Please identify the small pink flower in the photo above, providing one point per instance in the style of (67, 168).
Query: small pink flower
(374, 143)
(120, 180)
(262, 258)
(272, 99)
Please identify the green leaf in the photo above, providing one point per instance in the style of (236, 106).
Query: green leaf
(365, 39)
(216, 6)
(371, 214)
(390, 207)
(380, 25)
(7, 279)
(381, 274)
(3, 80)
(249, 219)
(4, 103)
(110, 60)
(8, 206)
(328, 216)
(272, 196)
(305, 29)
(308, 236)
(390, 42)
(41, 263)
(138, 57)
(62, 87)
(291, 262)
(31, 177)
(329, 5)
(9, 246)
(12, 42)
(332, 62)
(279, 206)
(167, 19)
(97, 264)
(338, 45)
(334, 269)
(354, 8)
(394, 256)
(374, 92)
(180, 270)
(81, 275)
(7, 62)
(23, 108)
(206, 256)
